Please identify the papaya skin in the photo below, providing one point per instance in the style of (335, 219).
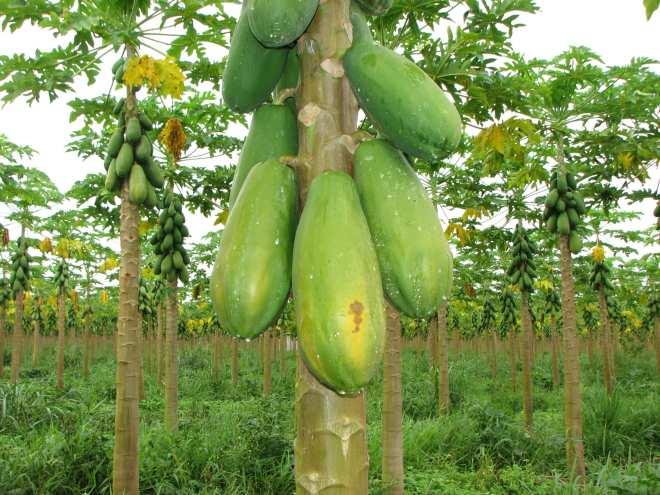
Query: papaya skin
(414, 256)
(251, 278)
(340, 309)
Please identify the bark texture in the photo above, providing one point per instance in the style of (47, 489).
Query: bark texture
(573, 400)
(513, 359)
(125, 472)
(527, 336)
(392, 407)
(171, 369)
(443, 361)
(330, 447)
(61, 319)
(17, 338)
(555, 354)
(36, 330)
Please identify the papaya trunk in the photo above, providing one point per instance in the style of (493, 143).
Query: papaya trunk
(171, 371)
(513, 360)
(573, 401)
(605, 341)
(432, 343)
(35, 344)
(526, 322)
(443, 361)
(3, 322)
(331, 445)
(159, 344)
(267, 362)
(217, 357)
(125, 466)
(492, 338)
(282, 355)
(234, 361)
(140, 353)
(392, 407)
(17, 338)
(555, 354)
(88, 346)
(61, 318)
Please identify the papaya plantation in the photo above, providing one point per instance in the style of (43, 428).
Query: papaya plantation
(329, 247)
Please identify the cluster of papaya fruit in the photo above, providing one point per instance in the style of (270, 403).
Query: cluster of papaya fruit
(509, 313)
(168, 240)
(130, 157)
(145, 299)
(358, 237)
(552, 302)
(523, 269)
(20, 266)
(563, 207)
(5, 293)
(487, 317)
(61, 275)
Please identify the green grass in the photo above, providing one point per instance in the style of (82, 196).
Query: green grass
(232, 441)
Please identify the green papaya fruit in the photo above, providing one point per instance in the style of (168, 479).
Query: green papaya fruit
(178, 219)
(252, 70)
(178, 238)
(124, 160)
(563, 225)
(184, 231)
(574, 242)
(117, 65)
(116, 140)
(177, 260)
(144, 150)
(152, 198)
(562, 183)
(252, 274)
(119, 106)
(186, 258)
(571, 182)
(552, 224)
(573, 217)
(527, 281)
(413, 253)
(276, 23)
(166, 266)
(423, 122)
(106, 162)
(553, 197)
(154, 173)
(375, 7)
(111, 180)
(579, 203)
(339, 306)
(515, 278)
(145, 123)
(137, 185)
(183, 275)
(155, 239)
(547, 211)
(168, 226)
(656, 211)
(560, 205)
(133, 130)
(273, 133)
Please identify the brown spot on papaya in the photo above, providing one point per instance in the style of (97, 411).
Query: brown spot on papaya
(356, 309)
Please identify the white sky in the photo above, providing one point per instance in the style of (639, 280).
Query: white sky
(617, 30)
